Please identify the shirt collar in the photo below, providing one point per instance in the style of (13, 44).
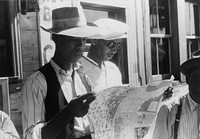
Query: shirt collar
(90, 61)
(192, 104)
(59, 70)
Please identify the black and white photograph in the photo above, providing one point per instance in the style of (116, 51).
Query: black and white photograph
(99, 69)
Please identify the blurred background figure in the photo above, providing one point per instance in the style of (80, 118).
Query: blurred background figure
(7, 128)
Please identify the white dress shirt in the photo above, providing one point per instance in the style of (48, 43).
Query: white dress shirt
(106, 76)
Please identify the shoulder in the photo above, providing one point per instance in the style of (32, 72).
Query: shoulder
(34, 82)
(86, 64)
(112, 66)
(109, 63)
(36, 77)
(3, 115)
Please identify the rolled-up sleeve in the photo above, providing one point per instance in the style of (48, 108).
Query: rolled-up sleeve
(34, 92)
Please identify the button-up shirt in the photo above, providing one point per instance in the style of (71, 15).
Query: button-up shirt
(34, 93)
(7, 128)
(106, 76)
(188, 127)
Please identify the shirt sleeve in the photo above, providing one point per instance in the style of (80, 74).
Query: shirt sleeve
(7, 128)
(34, 92)
(161, 126)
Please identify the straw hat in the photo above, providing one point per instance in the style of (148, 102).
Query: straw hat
(70, 21)
(110, 29)
(191, 64)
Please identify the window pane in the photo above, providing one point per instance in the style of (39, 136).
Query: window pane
(154, 56)
(6, 56)
(153, 16)
(163, 53)
(93, 15)
(192, 19)
(163, 14)
(159, 16)
(192, 46)
(160, 56)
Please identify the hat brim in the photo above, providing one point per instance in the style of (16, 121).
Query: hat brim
(189, 65)
(82, 31)
(108, 37)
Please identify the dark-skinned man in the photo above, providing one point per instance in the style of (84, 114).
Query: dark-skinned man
(55, 101)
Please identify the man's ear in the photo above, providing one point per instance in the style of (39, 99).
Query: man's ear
(187, 78)
(93, 42)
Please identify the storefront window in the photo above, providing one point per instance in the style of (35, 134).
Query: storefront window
(10, 62)
(192, 30)
(160, 36)
(6, 56)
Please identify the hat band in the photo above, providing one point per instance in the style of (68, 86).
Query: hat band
(69, 23)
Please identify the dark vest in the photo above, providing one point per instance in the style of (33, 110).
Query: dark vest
(51, 100)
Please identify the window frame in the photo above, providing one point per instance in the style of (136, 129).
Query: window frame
(193, 37)
(159, 77)
(15, 38)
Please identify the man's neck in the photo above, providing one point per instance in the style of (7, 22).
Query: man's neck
(96, 59)
(67, 66)
(195, 98)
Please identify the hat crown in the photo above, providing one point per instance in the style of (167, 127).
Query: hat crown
(71, 21)
(64, 13)
(110, 29)
(68, 17)
(190, 65)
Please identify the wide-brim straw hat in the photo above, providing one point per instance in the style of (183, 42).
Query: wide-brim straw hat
(110, 29)
(71, 21)
(187, 67)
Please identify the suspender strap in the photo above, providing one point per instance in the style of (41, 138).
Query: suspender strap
(177, 120)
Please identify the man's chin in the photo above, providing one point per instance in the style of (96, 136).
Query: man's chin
(109, 57)
(77, 55)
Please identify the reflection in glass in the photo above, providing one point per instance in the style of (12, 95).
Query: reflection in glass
(163, 14)
(153, 16)
(160, 56)
(192, 19)
(192, 46)
(159, 16)
(154, 57)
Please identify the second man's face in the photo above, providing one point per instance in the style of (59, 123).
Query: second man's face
(108, 49)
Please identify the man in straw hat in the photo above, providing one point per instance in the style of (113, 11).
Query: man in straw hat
(180, 119)
(55, 101)
(104, 45)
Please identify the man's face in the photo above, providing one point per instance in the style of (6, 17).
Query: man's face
(108, 48)
(71, 48)
(194, 85)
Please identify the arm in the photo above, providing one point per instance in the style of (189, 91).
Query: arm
(76, 108)
(7, 128)
(34, 93)
(33, 109)
(161, 127)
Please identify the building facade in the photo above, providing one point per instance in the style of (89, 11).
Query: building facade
(162, 35)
